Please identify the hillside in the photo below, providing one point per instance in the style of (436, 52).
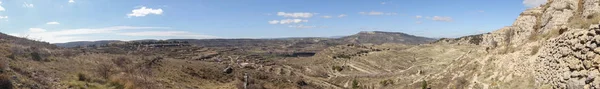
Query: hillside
(379, 37)
(553, 46)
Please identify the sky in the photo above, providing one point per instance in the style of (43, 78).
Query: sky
(59, 21)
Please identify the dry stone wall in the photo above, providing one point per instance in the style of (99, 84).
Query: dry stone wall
(571, 60)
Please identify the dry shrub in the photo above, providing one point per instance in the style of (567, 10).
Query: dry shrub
(386, 82)
(3, 65)
(337, 68)
(122, 61)
(82, 77)
(131, 82)
(36, 56)
(67, 53)
(534, 50)
(104, 70)
(5, 82)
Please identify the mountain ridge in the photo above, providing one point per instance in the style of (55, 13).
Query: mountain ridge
(372, 37)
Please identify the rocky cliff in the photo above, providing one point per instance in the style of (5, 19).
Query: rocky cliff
(557, 42)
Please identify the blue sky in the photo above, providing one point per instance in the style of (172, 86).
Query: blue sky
(57, 21)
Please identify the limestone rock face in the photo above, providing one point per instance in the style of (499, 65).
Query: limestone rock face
(590, 7)
(567, 58)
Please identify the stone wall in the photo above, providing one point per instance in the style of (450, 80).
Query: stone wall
(571, 60)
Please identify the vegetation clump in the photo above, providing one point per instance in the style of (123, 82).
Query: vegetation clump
(337, 68)
(386, 82)
(355, 84)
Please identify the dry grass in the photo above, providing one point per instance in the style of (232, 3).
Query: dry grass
(584, 22)
(550, 34)
(580, 21)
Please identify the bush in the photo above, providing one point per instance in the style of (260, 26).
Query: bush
(121, 61)
(5, 82)
(355, 84)
(424, 86)
(337, 68)
(36, 56)
(386, 82)
(104, 70)
(3, 65)
(82, 77)
(534, 50)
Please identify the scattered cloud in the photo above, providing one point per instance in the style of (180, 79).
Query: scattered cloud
(26, 5)
(418, 22)
(481, 11)
(36, 30)
(183, 34)
(52, 23)
(71, 1)
(296, 14)
(274, 22)
(533, 3)
(376, 13)
(143, 11)
(418, 16)
(287, 21)
(301, 26)
(342, 15)
(1, 8)
(327, 17)
(442, 18)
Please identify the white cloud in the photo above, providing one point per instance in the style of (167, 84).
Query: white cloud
(327, 17)
(52, 23)
(296, 14)
(481, 11)
(27, 5)
(442, 18)
(36, 30)
(342, 15)
(418, 16)
(533, 3)
(69, 35)
(301, 26)
(143, 11)
(418, 22)
(2, 8)
(383, 3)
(168, 34)
(274, 22)
(3, 17)
(377, 13)
(71, 1)
(287, 21)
